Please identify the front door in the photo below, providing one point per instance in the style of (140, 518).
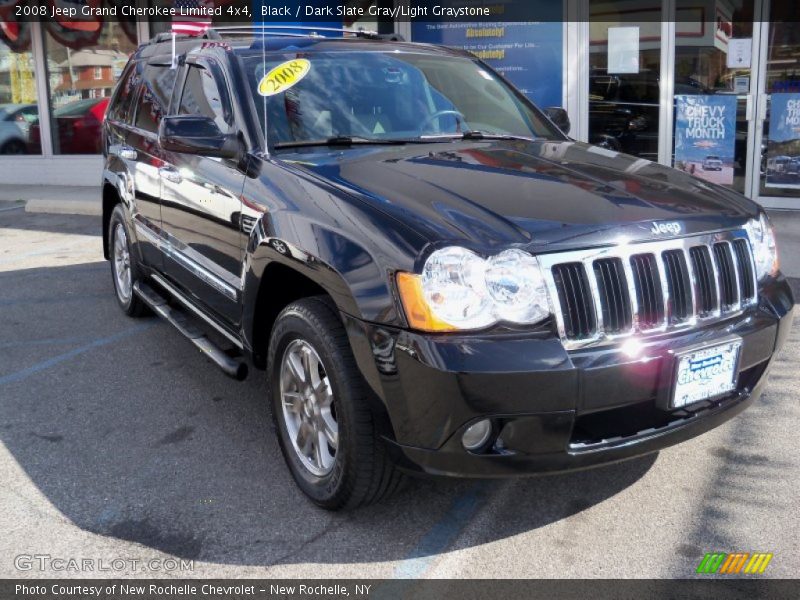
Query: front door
(777, 141)
(201, 204)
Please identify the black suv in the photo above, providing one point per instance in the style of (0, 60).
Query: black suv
(433, 275)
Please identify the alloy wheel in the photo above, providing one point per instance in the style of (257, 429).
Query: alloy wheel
(309, 410)
(122, 263)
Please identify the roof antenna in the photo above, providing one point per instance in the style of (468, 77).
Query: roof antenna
(264, 98)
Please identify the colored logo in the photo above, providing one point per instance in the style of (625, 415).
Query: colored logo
(736, 563)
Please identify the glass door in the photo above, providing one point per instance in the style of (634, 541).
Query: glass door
(625, 76)
(777, 156)
(713, 82)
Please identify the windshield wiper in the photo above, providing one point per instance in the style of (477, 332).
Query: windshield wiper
(480, 135)
(346, 140)
(343, 140)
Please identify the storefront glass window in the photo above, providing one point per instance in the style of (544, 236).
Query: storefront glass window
(84, 61)
(528, 53)
(18, 106)
(625, 63)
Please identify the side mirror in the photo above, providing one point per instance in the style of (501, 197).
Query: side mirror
(558, 116)
(191, 134)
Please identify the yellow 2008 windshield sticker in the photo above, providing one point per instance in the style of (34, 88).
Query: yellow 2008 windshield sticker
(284, 76)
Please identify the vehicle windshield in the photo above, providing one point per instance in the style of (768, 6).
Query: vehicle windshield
(381, 96)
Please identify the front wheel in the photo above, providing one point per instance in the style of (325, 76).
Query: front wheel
(321, 407)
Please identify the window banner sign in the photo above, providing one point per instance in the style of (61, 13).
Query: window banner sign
(783, 147)
(705, 136)
(529, 54)
(623, 50)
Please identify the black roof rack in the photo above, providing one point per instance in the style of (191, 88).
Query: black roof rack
(217, 33)
(166, 36)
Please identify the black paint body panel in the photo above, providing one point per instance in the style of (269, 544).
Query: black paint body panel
(350, 218)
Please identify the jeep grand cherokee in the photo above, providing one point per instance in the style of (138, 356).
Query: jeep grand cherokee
(434, 277)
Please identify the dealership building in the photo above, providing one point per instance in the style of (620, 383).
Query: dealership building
(708, 86)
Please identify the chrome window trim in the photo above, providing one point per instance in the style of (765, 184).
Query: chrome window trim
(625, 250)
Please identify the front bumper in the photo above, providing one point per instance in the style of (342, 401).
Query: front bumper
(552, 409)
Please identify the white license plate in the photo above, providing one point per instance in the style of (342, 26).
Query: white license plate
(706, 373)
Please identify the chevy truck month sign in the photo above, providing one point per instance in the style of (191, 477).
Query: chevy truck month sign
(783, 148)
(705, 136)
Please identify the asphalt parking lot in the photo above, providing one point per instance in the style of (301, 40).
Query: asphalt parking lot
(117, 440)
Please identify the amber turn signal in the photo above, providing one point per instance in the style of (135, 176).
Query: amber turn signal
(418, 313)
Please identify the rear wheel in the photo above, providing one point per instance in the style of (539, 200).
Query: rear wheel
(13, 147)
(124, 269)
(320, 403)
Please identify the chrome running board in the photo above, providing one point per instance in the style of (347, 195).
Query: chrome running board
(178, 319)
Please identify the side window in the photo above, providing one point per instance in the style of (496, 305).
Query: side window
(154, 100)
(122, 108)
(30, 115)
(203, 96)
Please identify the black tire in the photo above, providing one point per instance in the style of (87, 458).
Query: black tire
(130, 303)
(14, 147)
(362, 472)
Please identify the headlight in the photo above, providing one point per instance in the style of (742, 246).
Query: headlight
(765, 250)
(459, 290)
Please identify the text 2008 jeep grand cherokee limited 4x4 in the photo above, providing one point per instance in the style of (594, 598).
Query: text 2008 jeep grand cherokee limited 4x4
(435, 278)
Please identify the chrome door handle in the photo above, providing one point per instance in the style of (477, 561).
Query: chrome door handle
(127, 153)
(170, 174)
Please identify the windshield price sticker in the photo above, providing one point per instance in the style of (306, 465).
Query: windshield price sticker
(284, 76)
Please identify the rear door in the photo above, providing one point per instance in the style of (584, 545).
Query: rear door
(145, 158)
(201, 201)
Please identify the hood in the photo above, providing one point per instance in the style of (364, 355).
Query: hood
(534, 194)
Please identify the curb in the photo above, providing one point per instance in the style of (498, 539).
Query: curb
(64, 207)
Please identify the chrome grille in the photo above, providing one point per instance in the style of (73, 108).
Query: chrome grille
(647, 282)
(615, 301)
(602, 295)
(746, 279)
(704, 270)
(680, 293)
(572, 284)
(729, 290)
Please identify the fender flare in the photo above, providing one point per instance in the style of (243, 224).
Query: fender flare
(348, 276)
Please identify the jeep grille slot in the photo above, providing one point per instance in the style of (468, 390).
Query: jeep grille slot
(729, 290)
(747, 289)
(650, 288)
(575, 299)
(706, 282)
(615, 301)
(649, 296)
(679, 286)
